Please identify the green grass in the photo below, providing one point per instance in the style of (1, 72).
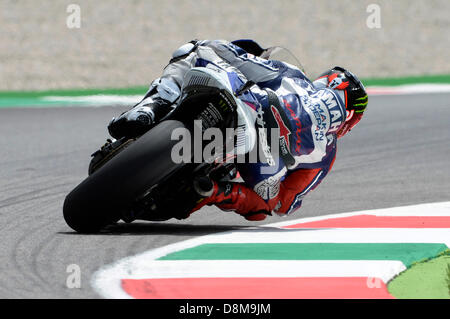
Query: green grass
(427, 279)
(136, 90)
(448, 278)
(395, 81)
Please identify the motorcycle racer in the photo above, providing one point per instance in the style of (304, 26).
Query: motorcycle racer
(310, 117)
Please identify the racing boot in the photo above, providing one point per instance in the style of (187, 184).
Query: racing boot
(230, 196)
(140, 119)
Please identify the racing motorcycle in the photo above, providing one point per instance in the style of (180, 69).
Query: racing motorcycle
(137, 179)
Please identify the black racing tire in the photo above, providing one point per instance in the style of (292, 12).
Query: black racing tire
(99, 200)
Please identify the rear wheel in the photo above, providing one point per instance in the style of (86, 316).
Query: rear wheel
(111, 190)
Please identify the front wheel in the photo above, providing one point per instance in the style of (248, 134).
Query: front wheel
(111, 190)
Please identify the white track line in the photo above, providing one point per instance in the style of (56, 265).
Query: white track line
(408, 89)
(113, 99)
(97, 100)
(336, 235)
(159, 269)
(107, 280)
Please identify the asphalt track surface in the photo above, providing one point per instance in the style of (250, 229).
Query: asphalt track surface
(398, 155)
